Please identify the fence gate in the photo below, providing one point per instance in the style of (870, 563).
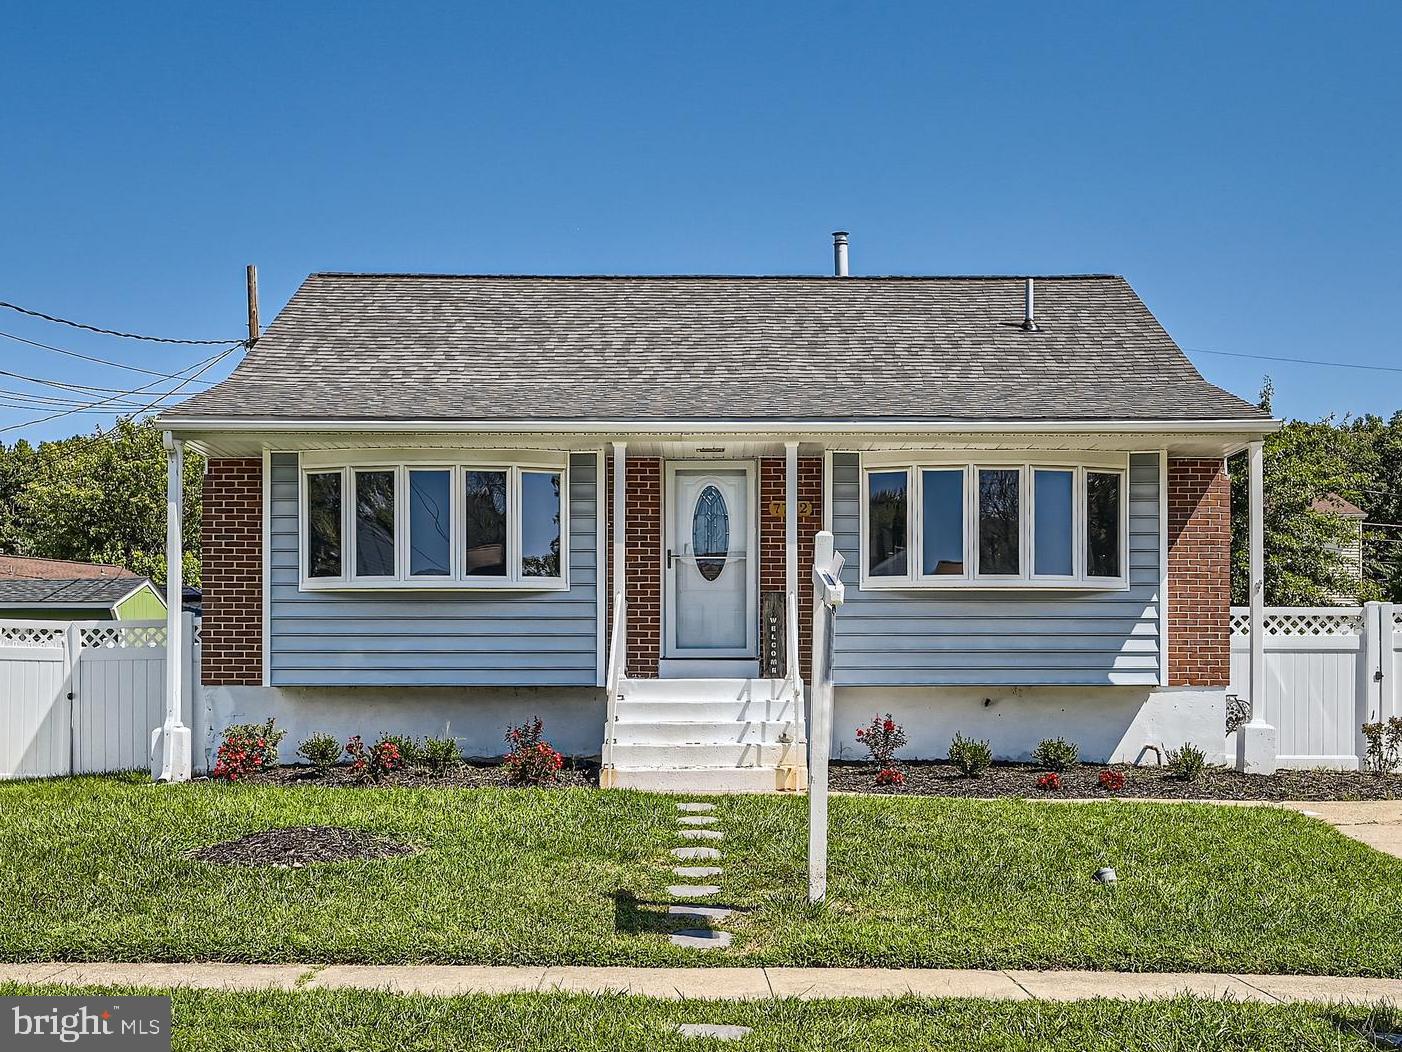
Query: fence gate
(1328, 671)
(83, 697)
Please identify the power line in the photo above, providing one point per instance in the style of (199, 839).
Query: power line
(108, 332)
(201, 367)
(75, 354)
(89, 388)
(190, 379)
(1297, 361)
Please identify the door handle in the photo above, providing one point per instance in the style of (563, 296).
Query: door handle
(669, 558)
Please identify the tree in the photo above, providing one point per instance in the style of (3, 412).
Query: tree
(98, 498)
(1382, 541)
(1303, 462)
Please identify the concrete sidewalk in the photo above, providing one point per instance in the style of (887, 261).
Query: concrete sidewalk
(716, 983)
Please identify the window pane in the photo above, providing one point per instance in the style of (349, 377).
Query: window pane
(942, 522)
(486, 523)
(998, 547)
(324, 524)
(886, 523)
(430, 515)
(1051, 525)
(540, 524)
(1102, 524)
(374, 523)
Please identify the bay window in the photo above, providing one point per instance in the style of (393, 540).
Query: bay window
(1036, 521)
(433, 525)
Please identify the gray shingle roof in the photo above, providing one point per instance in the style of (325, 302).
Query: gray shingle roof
(503, 348)
(92, 591)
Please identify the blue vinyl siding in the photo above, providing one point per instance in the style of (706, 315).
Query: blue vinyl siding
(451, 638)
(1003, 638)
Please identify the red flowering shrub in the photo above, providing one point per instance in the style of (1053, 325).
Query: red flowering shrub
(247, 747)
(882, 737)
(372, 764)
(532, 760)
(1049, 782)
(1112, 781)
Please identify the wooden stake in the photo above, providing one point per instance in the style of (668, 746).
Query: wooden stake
(252, 304)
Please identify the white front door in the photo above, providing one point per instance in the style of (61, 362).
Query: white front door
(711, 561)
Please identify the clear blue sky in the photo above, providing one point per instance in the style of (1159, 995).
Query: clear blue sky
(1239, 163)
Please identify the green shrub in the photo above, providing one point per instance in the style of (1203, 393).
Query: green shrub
(321, 751)
(971, 756)
(1056, 754)
(1187, 763)
(1384, 743)
(247, 747)
(411, 753)
(439, 754)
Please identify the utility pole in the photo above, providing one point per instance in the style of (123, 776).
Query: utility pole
(253, 332)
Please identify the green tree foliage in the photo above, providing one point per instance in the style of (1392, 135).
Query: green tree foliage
(97, 498)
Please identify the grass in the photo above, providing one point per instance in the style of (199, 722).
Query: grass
(98, 869)
(360, 1021)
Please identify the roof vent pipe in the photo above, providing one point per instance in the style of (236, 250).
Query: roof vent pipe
(839, 253)
(1029, 311)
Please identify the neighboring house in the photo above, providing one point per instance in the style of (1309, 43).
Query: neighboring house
(423, 491)
(74, 591)
(1351, 553)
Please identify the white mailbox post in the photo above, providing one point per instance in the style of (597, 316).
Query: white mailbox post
(828, 594)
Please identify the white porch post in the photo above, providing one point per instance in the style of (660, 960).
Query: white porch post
(791, 521)
(170, 745)
(620, 518)
(1258, 739)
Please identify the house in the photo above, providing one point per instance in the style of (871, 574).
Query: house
(44, 589)
(446, 502)
(1350, 554)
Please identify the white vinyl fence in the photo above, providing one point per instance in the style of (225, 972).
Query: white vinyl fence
(82, 697)
(1328, 671)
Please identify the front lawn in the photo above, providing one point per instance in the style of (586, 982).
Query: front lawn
(100, 869)
(365, 1021)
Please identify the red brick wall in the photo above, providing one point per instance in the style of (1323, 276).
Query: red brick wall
(231, 571)
(772, 489)
(1199, 573)
(644, 561)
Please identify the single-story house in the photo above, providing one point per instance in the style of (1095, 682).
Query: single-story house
(1350, 553)
(59, 589)
(447, 502)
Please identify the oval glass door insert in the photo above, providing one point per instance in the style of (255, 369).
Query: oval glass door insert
(710, 533)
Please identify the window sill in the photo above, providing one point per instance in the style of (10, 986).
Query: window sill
(877, 584)
(439, 586)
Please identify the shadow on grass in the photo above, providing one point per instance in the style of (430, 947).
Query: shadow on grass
(635, 916)
(1379, 1025)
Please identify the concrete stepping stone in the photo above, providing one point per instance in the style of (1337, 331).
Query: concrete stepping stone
(701, 939)
(695, 852)
(715, 1031)
(701, 834)
(710, 913)
(696, 808)
(697, 871)
(692, 891)
(697, 820)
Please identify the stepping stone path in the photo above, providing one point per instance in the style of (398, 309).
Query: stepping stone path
(692, 815)
(716, 1031)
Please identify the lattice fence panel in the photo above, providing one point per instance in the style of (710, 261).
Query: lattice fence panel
(1304, 623)
(116, 635)
(31, 635)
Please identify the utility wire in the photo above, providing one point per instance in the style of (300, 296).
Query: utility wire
(1297, 361)
(190, 379)
(201, 367)
(90, 389)
(75, 354)
(108, 332)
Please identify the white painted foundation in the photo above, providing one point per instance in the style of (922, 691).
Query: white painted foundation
(477, 717)
(1110, 724)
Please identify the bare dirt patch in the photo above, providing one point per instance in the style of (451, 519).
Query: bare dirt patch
(302, 846)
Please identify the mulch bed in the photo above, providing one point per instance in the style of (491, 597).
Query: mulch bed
(301, 846)
(930, 778)
(576, 774)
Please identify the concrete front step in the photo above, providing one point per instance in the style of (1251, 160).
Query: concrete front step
(708, 779)
(745, 690)
(718, 732)
(717, 710)
(724, 755)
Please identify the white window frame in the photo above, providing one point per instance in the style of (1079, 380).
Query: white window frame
(457, 464)
(1026, 463)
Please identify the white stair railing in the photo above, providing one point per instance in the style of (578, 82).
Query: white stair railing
(793, 682)
(618, 646)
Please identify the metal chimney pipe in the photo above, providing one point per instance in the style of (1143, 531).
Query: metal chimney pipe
(839, 253)
(1029, 303)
